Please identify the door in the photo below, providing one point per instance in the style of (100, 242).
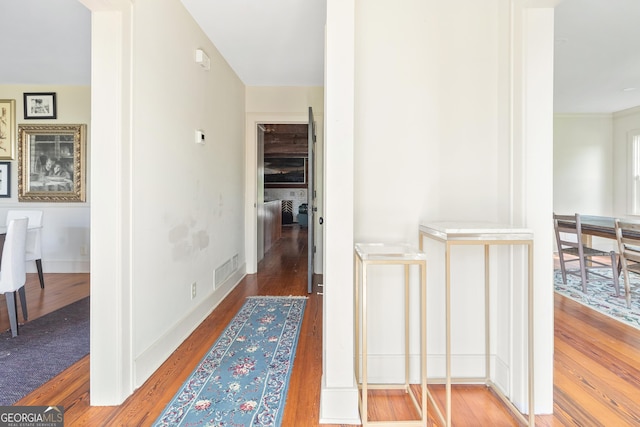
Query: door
(311, 197)
(260, 193)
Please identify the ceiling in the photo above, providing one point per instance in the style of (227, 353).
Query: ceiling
(280, 43)
(45, 42)
(291, 140)
(597, 56)
(267, 43)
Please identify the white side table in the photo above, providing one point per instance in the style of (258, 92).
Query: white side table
(486, 234)
(384, 254)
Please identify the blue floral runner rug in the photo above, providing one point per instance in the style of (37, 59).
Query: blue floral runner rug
(601, 296)
(243, 379)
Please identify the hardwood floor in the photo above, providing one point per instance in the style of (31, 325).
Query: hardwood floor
(596, 375)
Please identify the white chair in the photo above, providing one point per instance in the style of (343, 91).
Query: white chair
(34, 237)
(13, 274)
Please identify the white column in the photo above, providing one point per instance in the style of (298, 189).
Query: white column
(111, 351)
(532, 191)
(339, 393)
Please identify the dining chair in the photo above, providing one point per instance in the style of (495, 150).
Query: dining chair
(628, 236)
(572, 249)
(34, 237)
(13, 274)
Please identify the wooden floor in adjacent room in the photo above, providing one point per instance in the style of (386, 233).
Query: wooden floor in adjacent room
(597, 360)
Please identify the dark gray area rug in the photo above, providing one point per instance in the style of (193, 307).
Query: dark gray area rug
(44, 347)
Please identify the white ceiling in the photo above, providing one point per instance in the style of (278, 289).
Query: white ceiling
(280, 43)
(45, 42)
(267, 43)
(597, 56)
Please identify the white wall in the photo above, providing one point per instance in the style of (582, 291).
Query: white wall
(583, 164)
(167, 212)
(623, 122)
(431, 155)
(451, 121)
(65, 236)
(184, 241)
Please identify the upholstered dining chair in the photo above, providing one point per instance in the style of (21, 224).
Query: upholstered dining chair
(13, 270)
(34, 237)
(571, 249)
(628, 236)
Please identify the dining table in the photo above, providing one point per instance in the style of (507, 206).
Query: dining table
(598, 226)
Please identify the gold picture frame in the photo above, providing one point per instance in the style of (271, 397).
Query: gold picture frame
(51, 163)
(7, 129)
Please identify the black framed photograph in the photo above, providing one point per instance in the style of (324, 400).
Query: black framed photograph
(5, 179)
(40, 105)
(284, 170)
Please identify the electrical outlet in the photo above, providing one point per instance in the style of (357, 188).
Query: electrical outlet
(193, 290)
(83, 250)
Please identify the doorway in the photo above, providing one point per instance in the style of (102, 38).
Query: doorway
(283, 128)
(283, 180)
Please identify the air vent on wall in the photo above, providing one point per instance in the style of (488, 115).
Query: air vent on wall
(223, 272)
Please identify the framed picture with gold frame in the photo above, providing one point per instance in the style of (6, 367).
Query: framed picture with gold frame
(7, 129)
(51, 163)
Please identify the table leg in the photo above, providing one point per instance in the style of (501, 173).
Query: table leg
(365, 380)
(531, 337)
(447, 262)
(487, 315)
(356, 302)
(423, 338)
(406, 326)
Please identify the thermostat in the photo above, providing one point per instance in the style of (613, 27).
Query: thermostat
(199, 136)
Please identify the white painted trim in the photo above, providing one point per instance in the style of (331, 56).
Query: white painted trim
(339, 405)
(627, 112)
(389, 368)
(633, 204)
(584, 115)
(111, 367)
(61, 266)
(532, 194)
(151, 358)
(251, 190)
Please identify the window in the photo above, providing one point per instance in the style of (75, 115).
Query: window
(634, 199)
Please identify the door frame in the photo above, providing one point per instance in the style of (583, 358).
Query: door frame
(251, 181)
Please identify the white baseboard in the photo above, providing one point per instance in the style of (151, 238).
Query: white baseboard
(389, 369)
(151, 359)
(339, 405)
(61, 266)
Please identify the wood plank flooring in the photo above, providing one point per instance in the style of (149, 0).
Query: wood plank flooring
(596, 375)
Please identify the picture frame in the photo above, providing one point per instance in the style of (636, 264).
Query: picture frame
(51, 163)
(7, 129)
(288, 171)
(5, 179)
(40, 105)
